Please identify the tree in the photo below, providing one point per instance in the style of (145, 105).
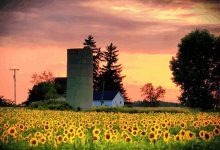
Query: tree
(192, 69)
(90, 43)
(111, 74)
(43, 91)
(6, 102)
(151, 96)
(40, 78)
(215, 78)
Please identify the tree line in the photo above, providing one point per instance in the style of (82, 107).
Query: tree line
(195, 69)
(45, 88)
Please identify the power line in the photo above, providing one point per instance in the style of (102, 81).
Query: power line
(15, 82)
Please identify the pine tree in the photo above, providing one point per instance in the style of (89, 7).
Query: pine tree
(111, 74)
(90, 43)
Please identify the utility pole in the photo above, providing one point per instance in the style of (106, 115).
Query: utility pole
(15, 82)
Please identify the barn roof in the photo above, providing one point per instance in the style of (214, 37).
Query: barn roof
(107, 95)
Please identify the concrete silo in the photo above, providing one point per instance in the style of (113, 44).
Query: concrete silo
(79, 92)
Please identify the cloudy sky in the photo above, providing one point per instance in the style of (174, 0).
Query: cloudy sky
(35, 36)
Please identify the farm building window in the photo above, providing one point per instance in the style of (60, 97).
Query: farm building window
(120, 102)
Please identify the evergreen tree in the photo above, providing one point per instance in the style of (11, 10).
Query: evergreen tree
(193, 69)
(97, 55)
(111, 74)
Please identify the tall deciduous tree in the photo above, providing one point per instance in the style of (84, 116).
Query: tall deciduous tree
(43, 91)
(193, 69)
(42, 78)
(111, 74)
(97, 55)
(152, 95)
(215, 78)
(44, 88)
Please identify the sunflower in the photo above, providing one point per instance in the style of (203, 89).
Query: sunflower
(26, 127)
(114, 139)
(158, 136)
(183, 125)
(71, 130)
(115, 131)
(37, 135)
(166, 136)
(157, 127)
(12, 130)
(81, 135)
(152, 136)
(143, 134)
(201, 133)
(55, 130)
(216, 131)
(33, 142)
(130, 130)
(59, 139)
(107, 137)
(96, 131)
(134, 133)
(21, 126)
(190, 135)
(182, 133)
(135, 128)
(177, 138)
(43, 122)
(15, 135)
(6, 126)
(152, 129)
(164, 125)
(43, 139)
(46, 127)
(65, 139)
(128, 139)
(110, 126)
(207, 136)
(65, 132)
(64, 125)
(5, 139)
(50, 138)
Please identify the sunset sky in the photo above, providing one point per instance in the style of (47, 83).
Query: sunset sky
(35, 36)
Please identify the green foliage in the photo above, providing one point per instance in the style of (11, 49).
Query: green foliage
(6, 102)
(193, 69)
(123, 109)
(43, 91)
(50, 105)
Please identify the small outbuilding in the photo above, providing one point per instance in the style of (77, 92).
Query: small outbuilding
(110, 98)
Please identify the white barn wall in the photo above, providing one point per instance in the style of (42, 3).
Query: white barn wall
(98, 103)
(117, 101)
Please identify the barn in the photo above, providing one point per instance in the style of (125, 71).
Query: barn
(110, 98)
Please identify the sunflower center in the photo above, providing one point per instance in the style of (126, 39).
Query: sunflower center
(206, 136)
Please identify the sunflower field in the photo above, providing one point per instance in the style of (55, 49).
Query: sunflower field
(22, 128)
